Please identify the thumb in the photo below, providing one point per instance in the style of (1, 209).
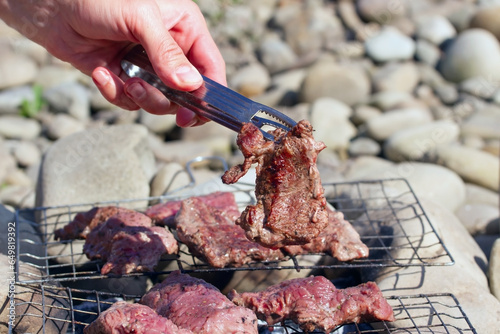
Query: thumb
(166, 56)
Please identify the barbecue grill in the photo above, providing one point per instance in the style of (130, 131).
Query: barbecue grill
(399, 234)
(434, 313)
(386, 213)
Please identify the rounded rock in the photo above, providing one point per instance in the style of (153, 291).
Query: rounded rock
(402, 77)
(27, 153)
(383, 126)
(387, 100)
(71, 98)
(480, 218)
(330, 119)
(62, 125)
(170, 177)
(485, 123)
(16, 69)
(487, 19)
(427, 53)
(390, 44)
(12, 98)
(363, 113)
(474, 52)
(427, 180)
(363, 146)
(435, 29)
(416, 142)
(251, 80)
(157, 123)
(472, 165)
(16, 127)
(494, 269)
(381, 11)
(275, 54)
(347, 83)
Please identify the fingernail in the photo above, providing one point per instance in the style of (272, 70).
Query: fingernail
(101, 78)
(136, 91)
(188, 74)
(191, 123)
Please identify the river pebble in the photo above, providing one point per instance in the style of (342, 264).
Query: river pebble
(390, 44)
(474, 52)
(17, 127)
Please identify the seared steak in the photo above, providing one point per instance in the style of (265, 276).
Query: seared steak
(125, 318)
(315, 303)
(84, 222)
(339, 239)
(129, 242)
(291, 208)
(164, 213)
(196, 305)
(215, 238)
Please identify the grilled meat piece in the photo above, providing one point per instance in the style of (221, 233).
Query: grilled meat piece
(339, 239)
(315, 303)
(196, 305)
(291, 208)
(164, 213)
(129, 242)
(125, 318)
(215, 238)
(84, 222)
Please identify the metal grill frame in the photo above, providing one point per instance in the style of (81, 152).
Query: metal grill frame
(425, 313)
(380, 201)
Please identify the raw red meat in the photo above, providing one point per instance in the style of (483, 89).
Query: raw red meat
(125, 318)
(315, 303)
(164, 213)
(84, 222)
(215, 238)
(196, 305)
(291, 207)
(129, 242)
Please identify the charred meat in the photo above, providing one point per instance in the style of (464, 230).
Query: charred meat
(315, 303)
(291, 207)
(339, 239)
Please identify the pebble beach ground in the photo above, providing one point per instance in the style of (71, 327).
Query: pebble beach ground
(394, 88)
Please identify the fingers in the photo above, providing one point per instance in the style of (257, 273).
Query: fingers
(165, 54)
(148, 97)
(111, 87)
(186, 118)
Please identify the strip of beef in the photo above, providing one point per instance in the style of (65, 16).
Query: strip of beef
(129, 243)
(138, 249)
(196, 305)
(164, 213)
(84, 222)
(339, 239)
(291, 207)
(215, 238)
(315, 303)
(125, 318)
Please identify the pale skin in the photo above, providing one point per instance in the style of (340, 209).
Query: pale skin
(94, 36)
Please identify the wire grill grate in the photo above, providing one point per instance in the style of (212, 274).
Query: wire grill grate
(386, 213)
(70, 310)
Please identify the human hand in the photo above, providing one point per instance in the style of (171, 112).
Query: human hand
(95, 35)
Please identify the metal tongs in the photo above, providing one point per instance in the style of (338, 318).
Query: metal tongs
(212, 100)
